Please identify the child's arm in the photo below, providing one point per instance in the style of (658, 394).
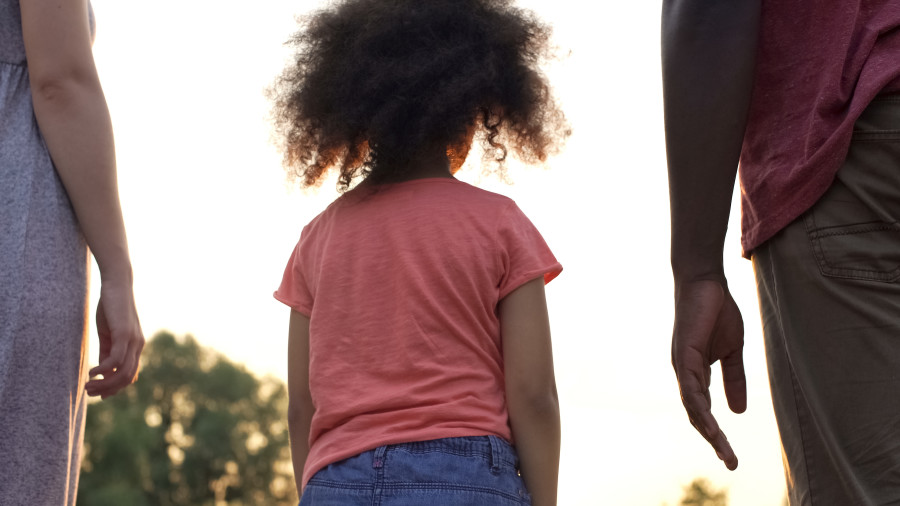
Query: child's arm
(300, 406)
(531, 388)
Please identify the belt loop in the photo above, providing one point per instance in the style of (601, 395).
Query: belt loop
(378, 459)
(494, 443)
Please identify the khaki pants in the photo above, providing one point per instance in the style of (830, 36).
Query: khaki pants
(829, 289)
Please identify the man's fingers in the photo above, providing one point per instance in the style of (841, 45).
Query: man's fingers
(695, 397)
(724, 451)
(735, 382)
(696, 402)
(698, 410)
(708, 427)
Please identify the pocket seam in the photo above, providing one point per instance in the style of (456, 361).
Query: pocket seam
(814, 234)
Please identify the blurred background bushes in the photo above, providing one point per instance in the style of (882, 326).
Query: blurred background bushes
(196, 429)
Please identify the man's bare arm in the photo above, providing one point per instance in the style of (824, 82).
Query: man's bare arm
(708, 57)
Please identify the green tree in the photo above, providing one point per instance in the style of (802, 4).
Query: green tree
(196, 429)
(701, 493)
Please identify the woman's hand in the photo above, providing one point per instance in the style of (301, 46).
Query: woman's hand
(121, 340)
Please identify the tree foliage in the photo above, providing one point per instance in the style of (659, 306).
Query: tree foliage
(701, 493)
(196, 429)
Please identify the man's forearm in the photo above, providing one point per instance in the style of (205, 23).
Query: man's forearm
(708, 59)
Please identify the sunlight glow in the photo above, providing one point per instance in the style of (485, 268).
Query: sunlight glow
(212, 221)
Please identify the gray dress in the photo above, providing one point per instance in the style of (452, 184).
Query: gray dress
(43, 296)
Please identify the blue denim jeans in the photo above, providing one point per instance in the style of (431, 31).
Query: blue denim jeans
(461, 471)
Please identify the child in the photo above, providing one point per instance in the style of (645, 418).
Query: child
(419, 345)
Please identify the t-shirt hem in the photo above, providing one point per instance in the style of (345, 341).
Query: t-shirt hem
(548, 273)
(769, 226)
(303, 309)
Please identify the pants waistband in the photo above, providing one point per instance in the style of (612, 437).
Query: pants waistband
(498, 450)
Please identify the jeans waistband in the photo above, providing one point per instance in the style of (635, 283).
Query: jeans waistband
(498, 450)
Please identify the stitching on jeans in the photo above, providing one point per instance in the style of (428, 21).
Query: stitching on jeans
(458, 453)
(381, 456)
(413, 486)
(339, 484)
(450, 486)
(451, 451)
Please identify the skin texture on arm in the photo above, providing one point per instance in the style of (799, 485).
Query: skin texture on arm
(74, 120)
(708, 58)
(531, 388)
(300, 406)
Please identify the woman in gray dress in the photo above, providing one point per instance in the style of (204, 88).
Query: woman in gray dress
(58, 196)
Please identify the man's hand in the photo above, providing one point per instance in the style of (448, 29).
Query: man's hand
(708, 327)
(121, 341)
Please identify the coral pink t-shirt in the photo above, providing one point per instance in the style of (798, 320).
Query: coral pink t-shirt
(401, 286)
(819, 64)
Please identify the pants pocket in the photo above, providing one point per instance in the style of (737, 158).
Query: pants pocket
(853, 229)
(865, 251)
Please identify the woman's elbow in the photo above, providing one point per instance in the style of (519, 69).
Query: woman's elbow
(59, 89)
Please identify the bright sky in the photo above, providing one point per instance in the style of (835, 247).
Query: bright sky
(211, 224)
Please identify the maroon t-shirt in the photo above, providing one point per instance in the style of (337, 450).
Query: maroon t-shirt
(820, 63)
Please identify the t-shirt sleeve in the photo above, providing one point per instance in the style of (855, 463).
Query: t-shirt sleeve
(524, 253)
(294, 290)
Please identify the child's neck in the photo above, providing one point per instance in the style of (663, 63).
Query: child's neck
(429, 171)
(427, 166)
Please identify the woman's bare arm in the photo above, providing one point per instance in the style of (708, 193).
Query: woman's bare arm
(72, 114)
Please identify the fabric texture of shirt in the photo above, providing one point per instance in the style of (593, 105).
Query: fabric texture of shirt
(401, 286)
(819, 64)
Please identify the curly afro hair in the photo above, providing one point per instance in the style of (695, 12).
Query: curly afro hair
(375, 84)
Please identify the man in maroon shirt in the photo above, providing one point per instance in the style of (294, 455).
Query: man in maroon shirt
(804, 94)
